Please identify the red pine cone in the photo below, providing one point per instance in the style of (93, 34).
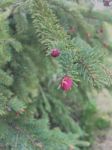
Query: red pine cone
(66, 83)
(55, 52)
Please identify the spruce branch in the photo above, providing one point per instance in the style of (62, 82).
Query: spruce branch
(51, 33)
(73, 10)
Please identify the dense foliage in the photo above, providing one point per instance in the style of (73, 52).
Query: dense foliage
(34, 113)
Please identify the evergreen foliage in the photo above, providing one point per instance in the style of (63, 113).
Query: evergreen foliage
(34, 114)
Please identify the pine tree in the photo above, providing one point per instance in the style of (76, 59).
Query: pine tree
(35, 114)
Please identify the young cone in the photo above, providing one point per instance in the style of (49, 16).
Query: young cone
(55, 52)
(66, 83)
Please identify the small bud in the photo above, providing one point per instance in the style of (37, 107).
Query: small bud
(101, 30)
(105, 45)
(88, 35)
(55, 52)
(72, 30)
(17, 114)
